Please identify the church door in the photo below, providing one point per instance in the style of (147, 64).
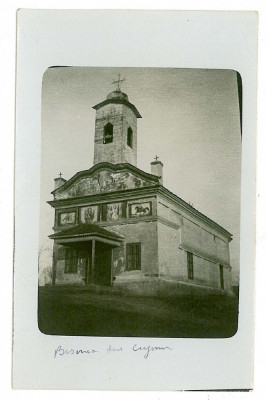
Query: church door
(103, 257)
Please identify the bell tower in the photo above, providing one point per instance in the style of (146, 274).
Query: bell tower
(116, 129)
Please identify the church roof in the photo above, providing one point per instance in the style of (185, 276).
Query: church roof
(193, 210)
(86, 230)
(118, 100)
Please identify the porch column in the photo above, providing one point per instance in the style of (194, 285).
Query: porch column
(93, 261)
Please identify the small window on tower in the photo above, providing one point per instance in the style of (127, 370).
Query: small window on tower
(130, 137)
(108, 133)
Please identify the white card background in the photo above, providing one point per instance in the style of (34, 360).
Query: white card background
(223, 40)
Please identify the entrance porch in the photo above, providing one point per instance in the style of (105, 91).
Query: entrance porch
(83, 254)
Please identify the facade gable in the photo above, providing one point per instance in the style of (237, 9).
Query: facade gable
(102, 181)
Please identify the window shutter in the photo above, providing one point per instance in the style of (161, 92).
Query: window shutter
(190, 267)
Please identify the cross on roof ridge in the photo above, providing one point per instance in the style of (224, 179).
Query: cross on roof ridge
(118, 82)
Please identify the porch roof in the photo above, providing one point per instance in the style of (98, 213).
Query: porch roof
(87, 231)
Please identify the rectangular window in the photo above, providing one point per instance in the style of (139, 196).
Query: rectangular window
(70, 262)
(190, 266)
(221, 277)
(133, 256)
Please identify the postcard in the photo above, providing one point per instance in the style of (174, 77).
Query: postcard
(135, 200)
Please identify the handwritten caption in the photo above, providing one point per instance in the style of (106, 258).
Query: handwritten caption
(144, 350)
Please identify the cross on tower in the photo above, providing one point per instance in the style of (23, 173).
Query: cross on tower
(118, 82)
(156, 158)
(60, 174)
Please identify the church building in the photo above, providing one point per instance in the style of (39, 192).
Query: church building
(116, 225)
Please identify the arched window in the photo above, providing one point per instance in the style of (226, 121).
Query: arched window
(108, 133)
(130, 137)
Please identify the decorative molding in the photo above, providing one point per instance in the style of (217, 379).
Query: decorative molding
(200, 254)
(102, 182)
(117, 100)
(168, 223)
(84, 238)
(125, 221)
(164, 205)
(126, 194)
(104, 198)
(128, 221)
(105, 166)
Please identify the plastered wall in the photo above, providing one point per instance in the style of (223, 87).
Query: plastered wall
(144, 232)
(121, 117)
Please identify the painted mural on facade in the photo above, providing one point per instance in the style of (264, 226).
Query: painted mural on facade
(114, 212)
(67, 218)
(88, 214)
(140, 209)
(101, 182)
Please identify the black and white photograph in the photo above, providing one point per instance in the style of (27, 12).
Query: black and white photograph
(140, 202)
(134, 253)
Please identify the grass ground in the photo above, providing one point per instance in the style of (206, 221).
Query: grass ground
(81, 311)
